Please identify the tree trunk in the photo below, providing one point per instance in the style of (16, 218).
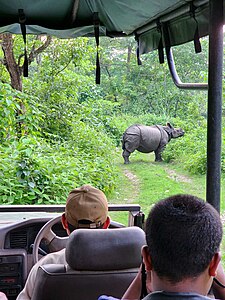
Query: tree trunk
(129, 51)
(15, 71)
(15, 68)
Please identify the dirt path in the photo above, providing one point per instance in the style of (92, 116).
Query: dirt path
(171, 174)
(135, 185)
(177, 177)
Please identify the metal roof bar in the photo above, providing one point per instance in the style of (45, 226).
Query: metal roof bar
(176, 78)
(61, 208)
(215, 80)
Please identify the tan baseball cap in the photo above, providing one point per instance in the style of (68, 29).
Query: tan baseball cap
(86, 207)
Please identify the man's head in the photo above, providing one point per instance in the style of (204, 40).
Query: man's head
(183, 235)
(86, 207)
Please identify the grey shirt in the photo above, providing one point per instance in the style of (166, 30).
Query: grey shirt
(51, 258)
(175, 296)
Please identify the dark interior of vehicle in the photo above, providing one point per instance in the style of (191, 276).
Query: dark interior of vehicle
(92, 270)
(17, 243)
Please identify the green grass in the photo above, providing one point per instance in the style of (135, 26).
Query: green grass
(155, 181)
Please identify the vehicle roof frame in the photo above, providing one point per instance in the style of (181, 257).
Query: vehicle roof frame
(214, 118)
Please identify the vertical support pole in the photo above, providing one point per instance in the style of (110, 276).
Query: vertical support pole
(214, 103)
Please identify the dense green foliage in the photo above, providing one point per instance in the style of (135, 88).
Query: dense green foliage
(40, 167)
(71, 127)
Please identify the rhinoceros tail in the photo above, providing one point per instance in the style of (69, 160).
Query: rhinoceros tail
(123, 142)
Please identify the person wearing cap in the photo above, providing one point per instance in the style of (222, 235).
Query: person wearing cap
(86, 207)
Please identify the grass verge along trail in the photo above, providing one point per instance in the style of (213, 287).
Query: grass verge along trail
(145, 181)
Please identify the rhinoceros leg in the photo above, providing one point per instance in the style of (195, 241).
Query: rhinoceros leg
(158, 153)
(158, 156)
(130, 144)
(126, 155)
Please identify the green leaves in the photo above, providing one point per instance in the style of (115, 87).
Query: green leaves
(190, 150)
(35, 170)
(70, 127)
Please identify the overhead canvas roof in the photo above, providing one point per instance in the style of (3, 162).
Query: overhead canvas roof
(148, 20)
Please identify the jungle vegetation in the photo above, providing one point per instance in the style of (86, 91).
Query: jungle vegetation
(60, 130)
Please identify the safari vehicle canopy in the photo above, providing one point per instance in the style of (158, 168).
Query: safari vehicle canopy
(156, 25)
(185, 20)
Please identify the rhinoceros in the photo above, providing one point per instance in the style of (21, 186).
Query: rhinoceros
(148, 139)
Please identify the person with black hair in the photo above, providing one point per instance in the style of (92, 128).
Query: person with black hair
(183, 235)
(86, 207)
(182, 255)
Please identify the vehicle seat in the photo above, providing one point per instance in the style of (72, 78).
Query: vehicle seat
(100, 261)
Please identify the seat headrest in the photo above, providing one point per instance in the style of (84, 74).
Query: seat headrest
(105, 249)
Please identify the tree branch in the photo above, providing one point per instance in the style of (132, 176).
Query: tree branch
(34, 52)
(19, 58)
(57, 73)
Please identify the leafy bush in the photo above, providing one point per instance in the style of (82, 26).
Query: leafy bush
(33, 171)
(7, 112)
(10, 101)
(189, 150)
(38, 166)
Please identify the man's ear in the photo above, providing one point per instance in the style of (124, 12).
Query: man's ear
(107, 223)
(64, 221)
(146, 258)
(214, 264)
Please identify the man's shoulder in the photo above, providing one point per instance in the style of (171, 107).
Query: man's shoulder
(103, 297)
(54, 258)
(175, 296)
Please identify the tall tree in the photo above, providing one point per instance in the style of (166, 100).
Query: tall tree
(15, 65)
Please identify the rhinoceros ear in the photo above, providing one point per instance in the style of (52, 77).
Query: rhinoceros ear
(169, 125)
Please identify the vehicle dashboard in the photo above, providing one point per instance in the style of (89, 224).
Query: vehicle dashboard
(16, 245)
(18, 233)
